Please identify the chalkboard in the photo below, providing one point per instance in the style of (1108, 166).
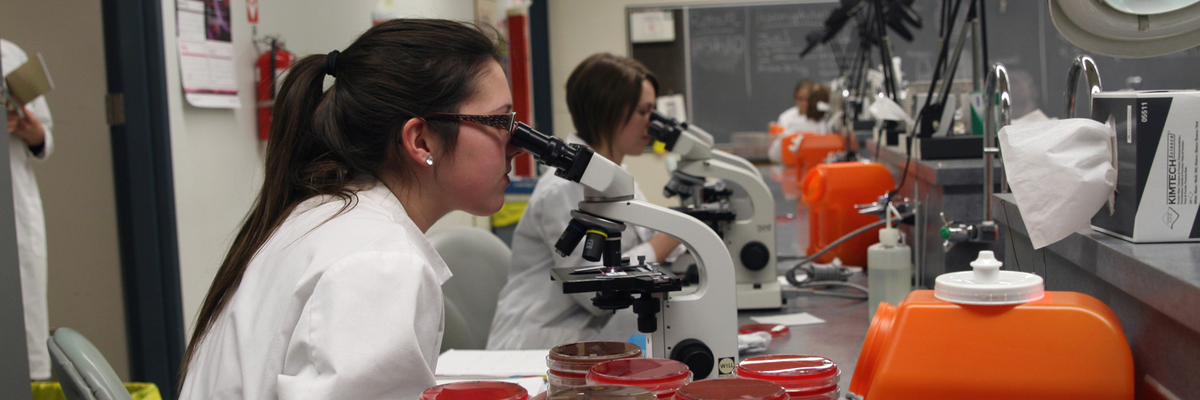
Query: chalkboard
(741, 61)
(744, 62)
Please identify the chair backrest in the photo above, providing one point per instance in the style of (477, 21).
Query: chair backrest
(479, 261)
(82, 370)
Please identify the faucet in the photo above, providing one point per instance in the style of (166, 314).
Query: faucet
(1087, 66)
(996, 91)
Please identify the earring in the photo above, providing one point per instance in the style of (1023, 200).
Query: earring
(428, 160)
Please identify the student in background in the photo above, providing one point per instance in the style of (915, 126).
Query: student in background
(808, 115)
(330, 289)
(610, 99)
(29, 140)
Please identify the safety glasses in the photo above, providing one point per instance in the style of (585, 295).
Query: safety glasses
(506, 121)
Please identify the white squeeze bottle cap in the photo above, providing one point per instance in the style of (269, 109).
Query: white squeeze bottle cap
(986, 284)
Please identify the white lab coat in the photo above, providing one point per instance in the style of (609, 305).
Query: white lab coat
(793, 121)
(31, 224)
(341, 308)
(533, 312)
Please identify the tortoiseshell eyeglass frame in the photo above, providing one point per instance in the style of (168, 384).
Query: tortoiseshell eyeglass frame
(506, 121)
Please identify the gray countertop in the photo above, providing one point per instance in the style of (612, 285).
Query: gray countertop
(938, 172)
(1165, 276)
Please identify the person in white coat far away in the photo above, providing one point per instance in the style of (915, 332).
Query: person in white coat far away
(610, 99)
(330, 289)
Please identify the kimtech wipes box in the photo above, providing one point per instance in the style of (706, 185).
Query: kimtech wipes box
(1157, 155)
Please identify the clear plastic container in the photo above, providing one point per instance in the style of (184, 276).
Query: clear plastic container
(569, 363)
(476, 390)
(661, 376)
(732, 389)
(803, 377)
(603, 392)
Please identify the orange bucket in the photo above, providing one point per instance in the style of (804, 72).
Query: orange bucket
(1066, 345)
(830, 191)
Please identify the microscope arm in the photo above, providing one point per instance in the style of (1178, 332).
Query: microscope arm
(749, 180)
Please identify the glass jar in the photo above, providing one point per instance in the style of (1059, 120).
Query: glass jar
(802, 376)
(731, 389)
(661, 376)
(476, 390)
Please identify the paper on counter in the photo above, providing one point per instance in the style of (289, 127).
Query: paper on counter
(789, 319)
(534, 385)
(493, 363)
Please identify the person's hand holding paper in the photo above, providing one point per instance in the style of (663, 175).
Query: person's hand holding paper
(1061, 172)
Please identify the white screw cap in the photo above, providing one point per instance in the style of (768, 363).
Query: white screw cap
(986, 284)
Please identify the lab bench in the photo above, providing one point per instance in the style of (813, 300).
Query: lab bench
(1154, 289)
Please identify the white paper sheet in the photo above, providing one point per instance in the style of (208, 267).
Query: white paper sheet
(789, 319)
(493, 363)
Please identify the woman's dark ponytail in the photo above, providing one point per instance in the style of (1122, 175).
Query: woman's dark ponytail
(322, 141)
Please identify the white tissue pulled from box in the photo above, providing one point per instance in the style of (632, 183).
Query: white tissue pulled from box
(884, 109)
(1061, 173)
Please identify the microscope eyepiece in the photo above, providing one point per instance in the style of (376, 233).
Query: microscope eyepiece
(570, 160)
(666, 129)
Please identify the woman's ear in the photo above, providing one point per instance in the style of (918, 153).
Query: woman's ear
(417, 143)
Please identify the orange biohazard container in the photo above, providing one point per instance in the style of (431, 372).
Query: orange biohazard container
(805, 150)
(991, 334)
(829, 192)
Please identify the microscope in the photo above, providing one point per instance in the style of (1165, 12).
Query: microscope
(748, 229)
(698, 329)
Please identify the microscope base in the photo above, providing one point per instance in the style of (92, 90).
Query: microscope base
(766, 296)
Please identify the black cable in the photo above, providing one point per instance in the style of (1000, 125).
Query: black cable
(983, 32)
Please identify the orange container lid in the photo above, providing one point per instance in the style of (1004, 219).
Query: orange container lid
(476, 390)
(731, 389)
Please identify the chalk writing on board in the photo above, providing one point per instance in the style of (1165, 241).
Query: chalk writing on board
(718, 41)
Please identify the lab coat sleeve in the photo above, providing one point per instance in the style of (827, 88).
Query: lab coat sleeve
(554, 212)
(42, 111)
(366, 331)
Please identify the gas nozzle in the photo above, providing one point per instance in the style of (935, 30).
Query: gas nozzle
(665, 129)
(570, 160)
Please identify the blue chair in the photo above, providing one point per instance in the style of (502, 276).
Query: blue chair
(82, 370)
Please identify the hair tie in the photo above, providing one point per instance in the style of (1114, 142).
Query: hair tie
(331, 63)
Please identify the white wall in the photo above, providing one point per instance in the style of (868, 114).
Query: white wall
(580, 28)
(76, 182)
(216, 157)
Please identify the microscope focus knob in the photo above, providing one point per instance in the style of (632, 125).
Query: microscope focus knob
(755, 256)
(698, 357)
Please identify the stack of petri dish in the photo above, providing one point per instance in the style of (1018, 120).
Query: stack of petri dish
(661, 376)
(804, 377)
(569, 363)
(476, 390)
(731, 389)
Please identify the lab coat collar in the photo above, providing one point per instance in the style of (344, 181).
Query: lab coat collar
(380, 194)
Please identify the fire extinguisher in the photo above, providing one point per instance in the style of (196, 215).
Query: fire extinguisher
(269, 66)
